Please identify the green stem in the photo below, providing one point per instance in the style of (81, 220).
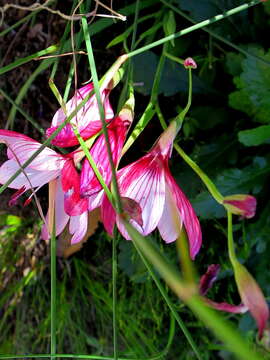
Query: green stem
(53, 291)
(195, 27)
(231, 248)
(205, 179)
(214, 35)
(180, 118)
(169, 303)
(101, 111)
(114, 281)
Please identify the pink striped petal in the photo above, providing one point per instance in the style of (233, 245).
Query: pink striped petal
(108, 216)
(170, 223)
(207, 280)
(187, 214)
(74, 203)
(95, 200)
(87, 119)
(143, 181)
(223, 306)
(23, 147)
(117, 133)
(37, 178)
(78, 227)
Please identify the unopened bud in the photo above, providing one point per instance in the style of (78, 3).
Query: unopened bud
(190, 63)
(244, 205)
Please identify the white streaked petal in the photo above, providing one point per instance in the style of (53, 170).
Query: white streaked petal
(37, 178)
(78, 227)
(144, 182)
(170, 223)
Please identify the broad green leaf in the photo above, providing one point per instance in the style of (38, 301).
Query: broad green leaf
(252, 96)
(257, 136)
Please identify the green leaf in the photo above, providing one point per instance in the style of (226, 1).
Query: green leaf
(169, 25)
(257, 136)
(252, 96)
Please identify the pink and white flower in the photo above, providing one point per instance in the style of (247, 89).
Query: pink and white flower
(46, 167)
(148, 181)
(87, 120)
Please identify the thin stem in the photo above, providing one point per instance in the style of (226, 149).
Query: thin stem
(205, 179)
(195, 27)
(231, 249)
(169, 303)
(101, 111)
(214, 35)
(114, 281)
(53, 272)
(180, 118)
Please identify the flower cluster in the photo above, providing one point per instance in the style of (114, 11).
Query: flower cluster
(149, 193)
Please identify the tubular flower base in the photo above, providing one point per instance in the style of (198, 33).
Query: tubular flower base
(46, 167)
(162, 203)
(87, 120)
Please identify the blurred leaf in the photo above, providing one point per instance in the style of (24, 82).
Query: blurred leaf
(257, 136)
(233, 63)
(252, 96)
(208, 116)
(169, 25)
(206, 207)
(130, 262)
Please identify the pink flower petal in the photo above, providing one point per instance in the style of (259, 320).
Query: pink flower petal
(37, 178)
(108, 216)
(207, 280)
(170, 223)
(143, 181)
(187, 214)
(223, 306)
(117, 133)
(78, 227)
(74, 203)
(23, 147)
(87, 119)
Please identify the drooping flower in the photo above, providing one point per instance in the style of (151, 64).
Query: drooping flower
(207, 281)
(241, 204)
(149, 183)
(46, 167)
(87, 120)
(250, 293)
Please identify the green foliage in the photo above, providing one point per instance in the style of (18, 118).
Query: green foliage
(254, 137)
(253, 84)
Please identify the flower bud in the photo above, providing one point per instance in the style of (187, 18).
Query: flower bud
(244, 205)
(190, 63)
